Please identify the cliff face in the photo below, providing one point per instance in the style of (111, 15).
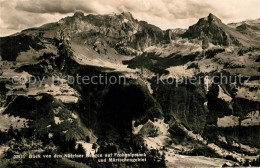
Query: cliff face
(118, 30)
(110, 109)
(214, 119)
(184, 104)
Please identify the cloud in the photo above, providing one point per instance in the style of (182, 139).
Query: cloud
(13, 20)
(20, 14)
(55, 6)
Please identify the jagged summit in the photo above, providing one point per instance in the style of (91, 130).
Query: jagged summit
(211, 17)
(127, 15)
(211, 30)
(99, 20)
(119, 29)
(78, 14)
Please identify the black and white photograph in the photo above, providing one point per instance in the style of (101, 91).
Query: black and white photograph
(129, 83)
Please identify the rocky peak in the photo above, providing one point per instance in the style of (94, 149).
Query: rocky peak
(123, 28)
(210, 19)
(127, 15)
(78, 14)
(211, 30)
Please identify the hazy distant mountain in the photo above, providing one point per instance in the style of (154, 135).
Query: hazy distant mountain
(249, 27)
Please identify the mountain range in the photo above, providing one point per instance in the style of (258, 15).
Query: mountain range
(176, 123)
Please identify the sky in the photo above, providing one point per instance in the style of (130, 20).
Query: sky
(16, 15)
